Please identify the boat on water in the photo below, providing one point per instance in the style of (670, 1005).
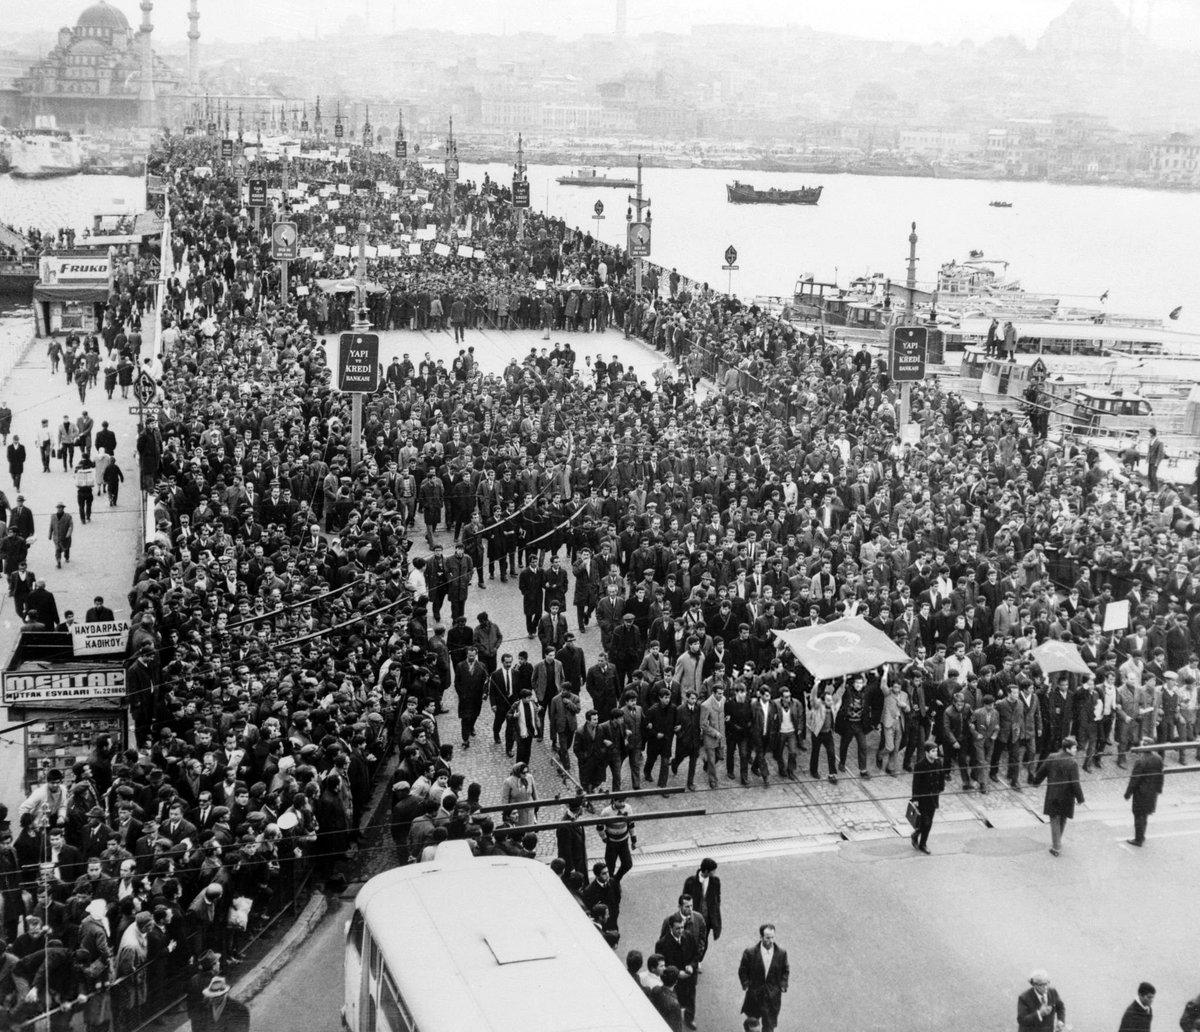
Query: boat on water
(999, 204)
(591, 177)
(744, 193)
(45, 154)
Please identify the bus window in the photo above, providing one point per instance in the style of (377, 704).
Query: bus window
(393, 1015)
(356, 932)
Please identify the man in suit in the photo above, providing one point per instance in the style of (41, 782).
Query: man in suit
(1140, 1012)
(1063, 791)
(1039, 1007)
(712, 731)
(470, 681)
(175, 827)
(502, 694)
(929, 779)
(764, 972)
(547, 678)
(552, 627)
(679, 950)
(704, 888)
(689, 738)
(1145, 786)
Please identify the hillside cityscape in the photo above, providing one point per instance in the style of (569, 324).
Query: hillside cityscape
(1071, 107)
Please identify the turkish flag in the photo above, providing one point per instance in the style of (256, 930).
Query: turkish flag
(847, 646)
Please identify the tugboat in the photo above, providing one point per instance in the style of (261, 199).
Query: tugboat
(590, 177)
(744, 193)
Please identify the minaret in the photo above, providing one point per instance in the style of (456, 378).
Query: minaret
(194, 48)
(146, 98)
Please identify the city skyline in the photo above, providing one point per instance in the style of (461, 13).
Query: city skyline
(1171, 23)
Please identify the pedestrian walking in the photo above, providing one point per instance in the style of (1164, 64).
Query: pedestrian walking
(1040, 1008)
(61, 528)
(66, 443)
(1144, 788)
(618, 836)
(929, 780)
(1063, 791)
(221, 1014)
(704, 889)
(5, 422)
(679, 949)
(1140, 1013)
(85, 488)
(16, 461)
(764, 973)
(45, 444)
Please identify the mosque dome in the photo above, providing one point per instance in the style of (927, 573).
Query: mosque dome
(102, 16)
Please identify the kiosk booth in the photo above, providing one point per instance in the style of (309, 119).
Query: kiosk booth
(66, 689)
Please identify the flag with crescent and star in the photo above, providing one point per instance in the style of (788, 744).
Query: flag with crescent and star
(847, 646)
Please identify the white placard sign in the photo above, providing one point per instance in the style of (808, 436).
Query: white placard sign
(91, 638)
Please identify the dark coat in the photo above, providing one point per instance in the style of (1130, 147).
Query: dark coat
(471, 685)
(1145, 783)
(708, 903)
(1063, 791)
(928, 781)
(764, 989)
(572, 846)
(1136, 1018)
(1027, 1009)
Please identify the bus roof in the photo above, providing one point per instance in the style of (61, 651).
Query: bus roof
(497, 944)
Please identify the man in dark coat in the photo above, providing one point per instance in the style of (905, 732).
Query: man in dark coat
(470, 681)
(679, 950)
(1140, 1012)
(764, 973)
(929, 779)
(705, 889)
(572, 841)
(1063, 791)
(1040, 1008)
(1145, 786)
(220, 1012)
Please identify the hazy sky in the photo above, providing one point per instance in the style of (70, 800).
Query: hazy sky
(1174, 23)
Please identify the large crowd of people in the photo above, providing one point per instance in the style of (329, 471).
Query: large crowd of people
(287, 614)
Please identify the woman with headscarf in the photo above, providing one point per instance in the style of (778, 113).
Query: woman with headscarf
(519, 788)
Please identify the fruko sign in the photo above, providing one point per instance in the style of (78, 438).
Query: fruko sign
(95, 638)
(57, 269)
(32, 689)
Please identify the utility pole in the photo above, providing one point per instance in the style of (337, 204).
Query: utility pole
(909, 320)
(520, 178)
(361, 325)
(283, 205)
(452, 169)
(639, 203)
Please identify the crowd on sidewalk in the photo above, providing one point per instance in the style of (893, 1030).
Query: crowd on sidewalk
(285, 637)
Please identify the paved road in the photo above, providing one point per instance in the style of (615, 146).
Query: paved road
(104, 552)
(882, 938)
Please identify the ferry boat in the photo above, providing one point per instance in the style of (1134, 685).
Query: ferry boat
(744, 193)
(45, 153)
(999, 204)
(18, 265)
(590, 177)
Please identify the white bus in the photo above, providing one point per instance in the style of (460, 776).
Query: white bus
(495, 944)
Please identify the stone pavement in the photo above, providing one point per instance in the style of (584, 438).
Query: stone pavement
(104, 551)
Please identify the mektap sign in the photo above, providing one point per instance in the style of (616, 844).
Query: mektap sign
(31, 689)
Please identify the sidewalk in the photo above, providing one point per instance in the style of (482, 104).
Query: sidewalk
(103, 552)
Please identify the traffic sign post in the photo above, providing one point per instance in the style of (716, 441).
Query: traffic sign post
(357, 369)
(226, 149)
(908, 351)
(452, 169)
(285, 247)
(730, 266)
(598, 208)
(520, 190)
(639, 240)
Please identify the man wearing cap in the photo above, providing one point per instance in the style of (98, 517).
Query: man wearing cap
(62, 526)
(20, 520)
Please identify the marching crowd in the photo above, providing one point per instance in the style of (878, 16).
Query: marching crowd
(287, 623)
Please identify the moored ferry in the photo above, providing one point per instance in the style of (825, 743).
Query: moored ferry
(45, 153)
(744, 193)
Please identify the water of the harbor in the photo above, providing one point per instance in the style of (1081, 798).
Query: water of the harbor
(52, 204)
(1073, 242)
